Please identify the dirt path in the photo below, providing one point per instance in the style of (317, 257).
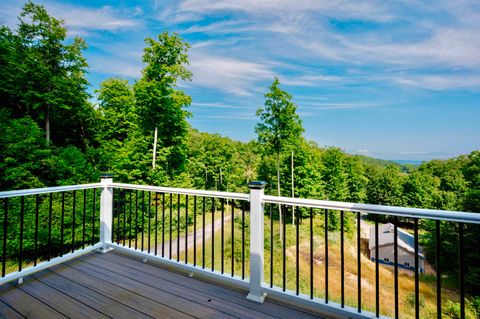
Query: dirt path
(190, 238)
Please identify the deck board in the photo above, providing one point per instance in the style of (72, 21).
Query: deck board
(8, 312)
(70, 307)
(26, 305)
(270, 308)
(167, 293)
(114, 286)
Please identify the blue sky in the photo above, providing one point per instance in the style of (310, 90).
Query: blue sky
(388, 79)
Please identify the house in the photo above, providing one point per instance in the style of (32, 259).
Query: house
(406, 248)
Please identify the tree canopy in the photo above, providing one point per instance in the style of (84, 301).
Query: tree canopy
(53, 135)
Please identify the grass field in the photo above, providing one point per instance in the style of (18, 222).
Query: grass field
(406, 279)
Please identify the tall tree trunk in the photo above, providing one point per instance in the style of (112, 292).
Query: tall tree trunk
(47, 127)
(293, 192)
(155, 147)
(279, 194)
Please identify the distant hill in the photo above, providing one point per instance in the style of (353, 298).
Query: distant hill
(377, 161)
(404, 165)
(408, 162)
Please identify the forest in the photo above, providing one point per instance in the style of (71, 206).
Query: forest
(53, 132)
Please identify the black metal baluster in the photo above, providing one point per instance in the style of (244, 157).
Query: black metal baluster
(213, 233)
(163, 224)
(271, 245)
(62, 219)
(156, 222)
(178, 227)
(93, 214)
(22, 213)
(131, 221)
(195, 230)
(124, 206)
(243, 240)
(461, 263)
(73, 219)
(395, 257)
(284, 249)
(359, 264)
(417, 286)
(170, 231)
(311, 253)
(149, 222)
(377, 271)
(203, 233)
(50, 226)
(186, 229)
(136, 219)
(5, 228)
(113, 215)
(326, 255)
(233, 239)
(342, 259)
(297, 244)
(117, 212)
(222, 203)
(143, 218)
(37, 204)
(84, 216)
(439, 274)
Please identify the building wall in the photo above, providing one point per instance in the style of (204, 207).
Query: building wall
(406, 259)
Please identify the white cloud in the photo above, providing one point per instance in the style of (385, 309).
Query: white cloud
(336, 106)
(79, 20)
(116, 65)
(216, 105)
(370, 10)
(443, 37)
(219, 28)
(309, 80)
(236, 116)
(169, 15)
(439, 82)
(227, 74)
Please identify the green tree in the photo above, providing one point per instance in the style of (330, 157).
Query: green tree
(117, 110)
(385, 186)
(472, 176)
(280, 128)
(333, 175)
(159, 104)
(123, 149)
(421, 190)
(44, 77)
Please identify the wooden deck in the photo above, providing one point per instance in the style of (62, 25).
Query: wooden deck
(114, 286)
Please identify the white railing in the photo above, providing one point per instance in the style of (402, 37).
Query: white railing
(257, 200)
(39, 263)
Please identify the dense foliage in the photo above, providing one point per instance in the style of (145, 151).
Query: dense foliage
(53, 135)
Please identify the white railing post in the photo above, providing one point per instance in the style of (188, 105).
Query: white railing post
(256, 241)
(106, 211)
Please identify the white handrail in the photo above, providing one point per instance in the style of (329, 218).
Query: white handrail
(454, 216)
(447, 215)
(184, 191)
(46, 190)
